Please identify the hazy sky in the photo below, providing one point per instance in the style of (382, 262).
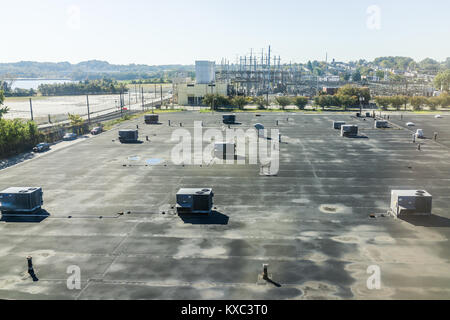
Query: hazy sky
(181, 31)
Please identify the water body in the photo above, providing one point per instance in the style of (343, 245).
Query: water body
(34, 83)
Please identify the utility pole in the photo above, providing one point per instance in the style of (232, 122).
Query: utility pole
(161, 97)
(129, 100)
(136, 93)
(120, 104)
(31, 109)
(142, 96)
(87, 103)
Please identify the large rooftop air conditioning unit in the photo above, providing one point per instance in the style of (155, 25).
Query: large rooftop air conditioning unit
(229, 118)
(349, 131)
(338, 124)
(128, 136)
(151, 119)
(225, 150)
(381, 124)
(195, 200)
(411, 202)
(21, 199)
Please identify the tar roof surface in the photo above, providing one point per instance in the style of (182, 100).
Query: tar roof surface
(310, 223)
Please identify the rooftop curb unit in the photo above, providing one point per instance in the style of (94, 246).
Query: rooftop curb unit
(225, 150)
(338, 124)
(21, 199)
(195, 200)
(381, 124)
(411, 203)
(151, 119)
(128, 136)
(349, 131)
(229, 118)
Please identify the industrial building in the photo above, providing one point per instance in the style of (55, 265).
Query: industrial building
(192, 94)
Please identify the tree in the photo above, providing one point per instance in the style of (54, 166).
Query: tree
(283, 101)
(380, 74)
(261, 102)
(382, 102)
(356, 77)
(396, 102)
(442, 80)
(345, 76)
(346, 100)
(417, 102)
(349, 90)
(326, 100)
(76, 121)
(216, 100)
(433, 102)
(239, 101)
(3, 110)
(300, 102)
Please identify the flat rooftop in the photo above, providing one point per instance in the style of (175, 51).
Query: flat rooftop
(311, 223)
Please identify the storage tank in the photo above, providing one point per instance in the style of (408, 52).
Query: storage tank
(21, 199)
(205, 72)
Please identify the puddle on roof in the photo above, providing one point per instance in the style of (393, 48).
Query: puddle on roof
(154, 162)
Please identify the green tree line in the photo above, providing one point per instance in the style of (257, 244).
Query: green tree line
(347, 96)
(103, 86)
(417, 102)
(15, 135)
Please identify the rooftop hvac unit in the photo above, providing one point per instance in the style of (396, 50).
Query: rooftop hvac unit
(128, 136)
(225, 150)
(338, 124)
(349, 131)
(380, 124)
(195, 200)
(229, 118)
(21, 199)
(411, 202)
(151, 119)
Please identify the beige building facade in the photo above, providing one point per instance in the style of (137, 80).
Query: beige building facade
(192, 94)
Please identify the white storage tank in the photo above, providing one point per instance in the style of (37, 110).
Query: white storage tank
(205, 72)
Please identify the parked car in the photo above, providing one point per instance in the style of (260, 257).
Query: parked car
(69, 136)
(41, 147)
(96, 130)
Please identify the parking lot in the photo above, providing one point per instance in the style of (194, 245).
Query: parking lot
(110, 213)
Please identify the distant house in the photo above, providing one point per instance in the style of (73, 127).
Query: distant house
(330, 90)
